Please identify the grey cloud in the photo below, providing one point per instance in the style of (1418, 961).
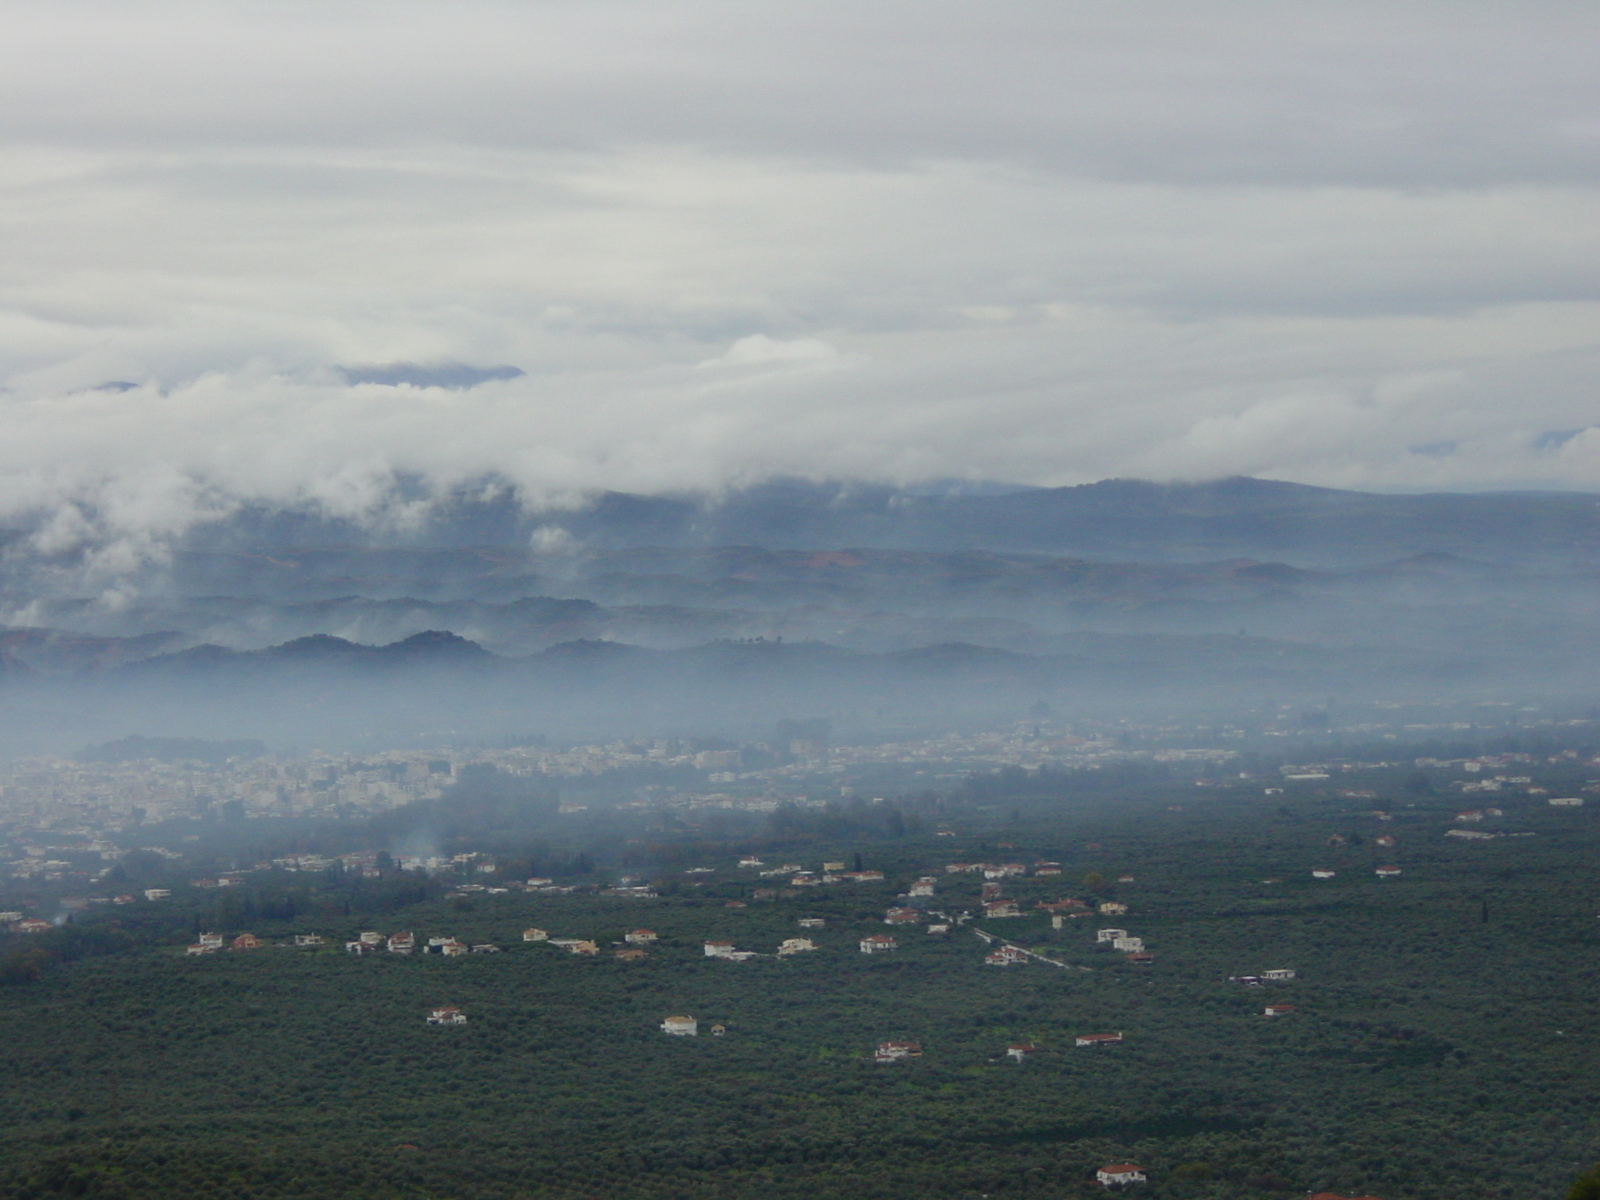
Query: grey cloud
(1038, 243)
(1347, 92)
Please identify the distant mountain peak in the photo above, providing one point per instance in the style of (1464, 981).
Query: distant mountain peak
(456, 376)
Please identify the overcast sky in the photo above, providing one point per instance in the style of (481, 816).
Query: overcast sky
(1049, 242)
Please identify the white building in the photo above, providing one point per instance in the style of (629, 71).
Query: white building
(889, 1052)
(1118, 1174)
(795, 946)
(1109, 935)
(681, 1026)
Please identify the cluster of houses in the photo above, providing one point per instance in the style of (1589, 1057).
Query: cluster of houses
(406, 943)
(832, 872)
(368, 942)
(632, 950)
(1124, 943)
(1010, 870)
(212, 943)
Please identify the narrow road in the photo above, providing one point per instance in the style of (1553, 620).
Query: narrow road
(990, 939)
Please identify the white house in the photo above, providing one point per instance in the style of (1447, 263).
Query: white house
(1277, 1010)
(1278, 973)
(1112, 908)
(447, 1016)
(811, 922)
(795, 946)
(720, 949)
(1097, 1039)
(1118, 1174)
(889, 1052)
(301, 939)
(211, 939)
(639, 937)
(877, 943)
(451, 948)
(1323, 873)
(1006, 956)
(922, 887)
(1566, 801)
(1387, 872)
(1020, 1051)
(535, 935)
(1109, 935)
(681, 1026)
(1128, 945)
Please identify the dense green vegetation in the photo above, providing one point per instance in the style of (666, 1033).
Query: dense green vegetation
(1443, 1043)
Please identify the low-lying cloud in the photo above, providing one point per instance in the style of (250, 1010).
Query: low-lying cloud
(1044, 244)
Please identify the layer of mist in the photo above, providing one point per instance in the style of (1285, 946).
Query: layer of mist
(884, 610)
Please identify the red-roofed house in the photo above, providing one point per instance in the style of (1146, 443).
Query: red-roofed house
(897, 1051)
(1118, 1174)
(1098, 1039)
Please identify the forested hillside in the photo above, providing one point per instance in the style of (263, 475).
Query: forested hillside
(1441, 1043)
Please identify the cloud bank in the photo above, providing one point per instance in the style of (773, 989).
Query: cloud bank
(1340, 243)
